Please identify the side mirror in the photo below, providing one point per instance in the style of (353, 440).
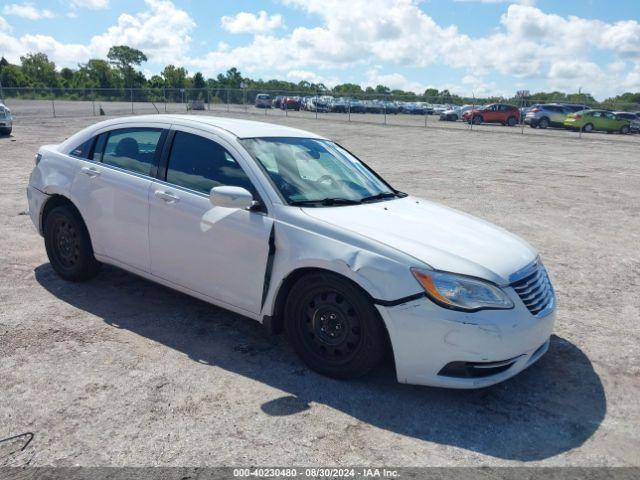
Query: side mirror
(231, 197)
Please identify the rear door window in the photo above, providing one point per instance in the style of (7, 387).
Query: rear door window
(132, 149)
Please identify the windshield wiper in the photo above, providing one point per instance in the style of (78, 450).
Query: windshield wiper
(326, 202)
(381, 196)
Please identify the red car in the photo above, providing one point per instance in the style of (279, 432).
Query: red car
(493, 113)
(290, 103)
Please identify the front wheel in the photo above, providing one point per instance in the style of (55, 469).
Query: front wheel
(625, 129)
(68, 245)
(477, 120)
(511, 121)
(544, 123)
(333, 326)
(6, 131)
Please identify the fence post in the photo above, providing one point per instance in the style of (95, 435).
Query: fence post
(228, 106)
(131, 92)
(93, 101)
(316, 105)
(53, 103)
(208, 100)
(385, 111)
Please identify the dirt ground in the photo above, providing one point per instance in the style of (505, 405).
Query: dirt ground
(120, 371)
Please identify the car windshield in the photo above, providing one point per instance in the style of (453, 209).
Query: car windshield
(314, 172)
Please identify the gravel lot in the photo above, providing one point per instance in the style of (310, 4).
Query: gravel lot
(120, 371)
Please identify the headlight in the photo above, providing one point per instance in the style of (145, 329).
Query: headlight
(460, 292)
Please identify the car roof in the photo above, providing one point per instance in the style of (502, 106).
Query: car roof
(235, 126)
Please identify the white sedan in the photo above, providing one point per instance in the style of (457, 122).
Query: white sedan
(292, 230)
(6, 120)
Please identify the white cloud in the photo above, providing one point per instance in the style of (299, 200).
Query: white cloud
(90, 4)
(4, 25)
(161, 31)
(27, 10)
(244, 22)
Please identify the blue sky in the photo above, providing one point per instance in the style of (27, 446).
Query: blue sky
(468, 46)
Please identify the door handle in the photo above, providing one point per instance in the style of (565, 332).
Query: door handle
(90, 171)
(167, 196)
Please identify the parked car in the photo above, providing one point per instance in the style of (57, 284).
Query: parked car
(451, 115)
(603, 120)
(574, 107)
(634, 120)
(356, 106)
(493, 113)
(290, 103)
(456, 113)
(390, 108)
(6, 120)
(414, 109)
(277, 101)
(263, 100)
(288, 228)
(339, 105)
(547, 115)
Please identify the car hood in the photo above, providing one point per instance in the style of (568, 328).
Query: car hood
(441, 237)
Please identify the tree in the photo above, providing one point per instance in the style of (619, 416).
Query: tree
(38, 70)
(96, 73)
(198, 81)
(124, 58)
(431, 93)
(174, 77)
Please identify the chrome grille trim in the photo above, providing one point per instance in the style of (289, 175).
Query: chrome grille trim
(534, 288)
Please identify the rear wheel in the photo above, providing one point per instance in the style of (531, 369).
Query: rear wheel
(625, 129)
(68, 245)
(543, 123)
(333, 326)
(588, 128)
(6, 131)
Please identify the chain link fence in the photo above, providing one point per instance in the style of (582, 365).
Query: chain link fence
(376, 108)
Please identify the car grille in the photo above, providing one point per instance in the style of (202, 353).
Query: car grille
(534, 288)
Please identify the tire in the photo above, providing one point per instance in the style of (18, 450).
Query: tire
(512, 121)
(588, 128)
(6, 131)
(477, 120)
(543, 123)
(333, 326)
(454, 118)
(625, 129)
(533, 125)
(68, 245)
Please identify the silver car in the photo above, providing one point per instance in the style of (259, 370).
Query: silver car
(546, 115)
(6, 120)
(263, 100)
(634, 120)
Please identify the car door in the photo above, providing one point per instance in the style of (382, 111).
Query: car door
(112, 192)
(214, 251)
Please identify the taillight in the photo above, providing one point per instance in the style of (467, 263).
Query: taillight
(577, 117)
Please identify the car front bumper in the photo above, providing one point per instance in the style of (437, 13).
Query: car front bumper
(426, 337)
(36, 200)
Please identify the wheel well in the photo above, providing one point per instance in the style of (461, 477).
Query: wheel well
(277, 320)
(53, 202)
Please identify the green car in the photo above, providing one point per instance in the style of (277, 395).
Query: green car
(590, 120)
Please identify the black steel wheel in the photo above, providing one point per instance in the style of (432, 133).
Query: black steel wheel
(68, 245)
(333, 326)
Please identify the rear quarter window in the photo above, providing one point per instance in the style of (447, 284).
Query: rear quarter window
(83, 150)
